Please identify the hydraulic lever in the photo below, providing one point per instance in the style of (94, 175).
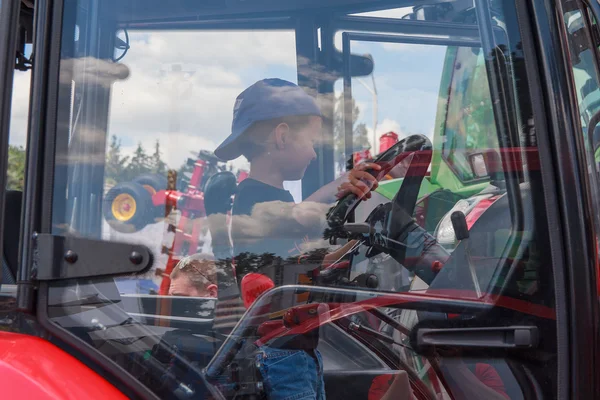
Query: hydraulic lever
(461, 231)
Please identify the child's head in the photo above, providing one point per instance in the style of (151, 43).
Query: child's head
(275, 120)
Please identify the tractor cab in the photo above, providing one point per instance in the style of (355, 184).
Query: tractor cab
(418, 233)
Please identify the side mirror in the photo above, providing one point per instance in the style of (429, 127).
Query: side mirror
(478, 165)
(360, 64)
(488, 164)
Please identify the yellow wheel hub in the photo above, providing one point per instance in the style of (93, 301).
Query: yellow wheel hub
(123, 207)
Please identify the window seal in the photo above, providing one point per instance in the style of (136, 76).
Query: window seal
(9, 19)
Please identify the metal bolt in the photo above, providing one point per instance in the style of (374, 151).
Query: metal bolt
(136, 258)
(186, 389)
(97, 324)
(71, 257)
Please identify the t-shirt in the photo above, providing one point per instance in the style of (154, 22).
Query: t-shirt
(267, 236)
(250, 245)
(250, 192)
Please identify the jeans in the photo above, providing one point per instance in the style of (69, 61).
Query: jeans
(291, 374)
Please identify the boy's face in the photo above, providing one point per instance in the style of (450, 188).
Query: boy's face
(300, 150)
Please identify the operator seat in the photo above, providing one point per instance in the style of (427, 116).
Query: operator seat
(12, 229)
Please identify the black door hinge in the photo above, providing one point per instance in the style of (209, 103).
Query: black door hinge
(59, 257)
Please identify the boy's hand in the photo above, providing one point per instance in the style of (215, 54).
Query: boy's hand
(359, 182)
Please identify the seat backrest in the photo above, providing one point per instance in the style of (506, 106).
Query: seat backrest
(12, 229)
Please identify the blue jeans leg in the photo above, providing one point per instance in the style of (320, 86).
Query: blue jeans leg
(291, 374)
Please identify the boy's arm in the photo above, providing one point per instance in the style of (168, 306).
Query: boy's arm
(332, 257)
(357, 181)
(276, 217)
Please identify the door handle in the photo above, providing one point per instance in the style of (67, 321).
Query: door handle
(501, 337)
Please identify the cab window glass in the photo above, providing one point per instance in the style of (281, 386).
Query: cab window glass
(15, 173)
(583, 64)
(582, 39)
(18, 130)
(398, 99)
(470, 113)
(315, 185)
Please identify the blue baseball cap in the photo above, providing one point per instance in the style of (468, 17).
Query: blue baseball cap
(266, 99)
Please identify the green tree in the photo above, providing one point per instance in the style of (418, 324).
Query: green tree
(116, 164)
(157, 165)
(360, 139)
(139, 164)
(16, 168)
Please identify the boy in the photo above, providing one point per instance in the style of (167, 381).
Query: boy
(276, 126)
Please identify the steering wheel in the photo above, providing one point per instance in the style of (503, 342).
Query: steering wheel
(395, 217)
(406, 198)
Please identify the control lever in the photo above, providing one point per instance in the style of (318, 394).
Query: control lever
(461, 231)
(362, 231)
(366, 280)
(359, 227)
(459, 223)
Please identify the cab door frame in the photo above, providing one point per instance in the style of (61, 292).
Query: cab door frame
(567, 188)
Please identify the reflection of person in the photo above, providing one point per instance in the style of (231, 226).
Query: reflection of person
(481, 381)
(391, 387)
(475, 381)
(194, 276)
(276, 126)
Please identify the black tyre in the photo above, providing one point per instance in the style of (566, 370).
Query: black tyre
(128, 207)
(154, 183)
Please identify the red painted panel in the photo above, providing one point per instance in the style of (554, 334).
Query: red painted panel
(33, 368)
